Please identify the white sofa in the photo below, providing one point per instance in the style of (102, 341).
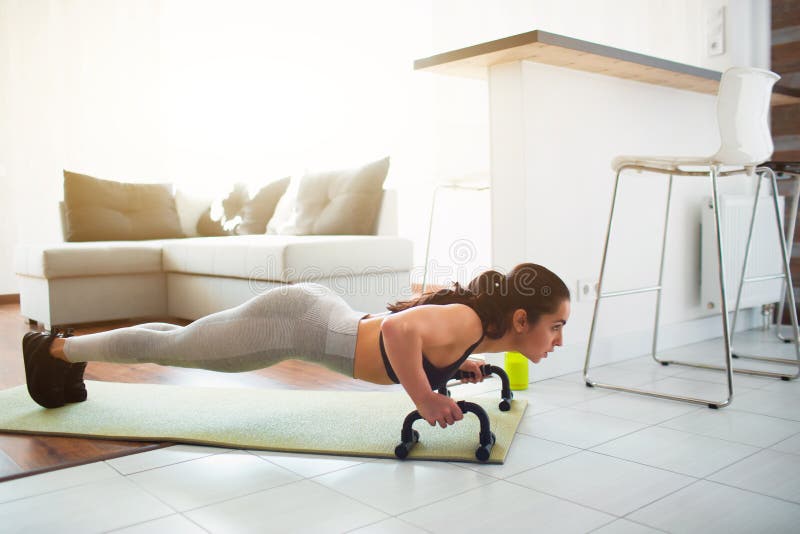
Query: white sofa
(71, 283)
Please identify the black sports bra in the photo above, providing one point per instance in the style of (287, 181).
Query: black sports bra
(437, 376)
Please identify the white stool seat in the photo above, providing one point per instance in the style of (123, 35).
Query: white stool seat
(668, 163)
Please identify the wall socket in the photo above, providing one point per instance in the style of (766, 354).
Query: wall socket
(587, 289)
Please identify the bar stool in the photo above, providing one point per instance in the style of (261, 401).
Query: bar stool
(742, 115)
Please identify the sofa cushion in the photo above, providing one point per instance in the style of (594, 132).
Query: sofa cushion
(257, 211)
(191, 205)
(222, 215)
(239, 213)
(287, 258)
(342, 202)
(88, 259)
(104, 210)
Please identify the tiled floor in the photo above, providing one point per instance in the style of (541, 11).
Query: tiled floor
(584, 460)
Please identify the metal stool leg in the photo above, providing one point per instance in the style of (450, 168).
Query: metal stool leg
(746, 254)
(661, 272)
(726, 332)
(786, 270)
(787, 282)
(593, 328)
(793, 205)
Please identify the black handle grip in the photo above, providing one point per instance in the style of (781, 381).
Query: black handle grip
(409, 437)
(485, 371)
(505, 394)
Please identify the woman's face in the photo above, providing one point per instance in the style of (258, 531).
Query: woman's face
(543, 337)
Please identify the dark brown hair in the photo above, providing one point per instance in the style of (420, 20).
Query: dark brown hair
(495, 296)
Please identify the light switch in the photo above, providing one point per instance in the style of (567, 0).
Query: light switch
(715, 30)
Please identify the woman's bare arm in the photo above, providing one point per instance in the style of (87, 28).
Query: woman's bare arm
(404, 336)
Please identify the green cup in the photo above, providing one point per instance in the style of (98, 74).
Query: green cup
(517, 369)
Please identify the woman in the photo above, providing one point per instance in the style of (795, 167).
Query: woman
(419, 343)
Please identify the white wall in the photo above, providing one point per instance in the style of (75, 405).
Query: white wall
(669, 29)
(560, 195)
(208, 92)
(551, 176)
(203, 94)
(80, 82)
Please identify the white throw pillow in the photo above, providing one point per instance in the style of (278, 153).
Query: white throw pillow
(341, 202)
(284, 220)
(190, 207)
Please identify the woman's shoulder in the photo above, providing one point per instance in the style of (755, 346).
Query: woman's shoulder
(455, 308)
(460, 319)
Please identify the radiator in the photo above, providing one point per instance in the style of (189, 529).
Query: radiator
(765, 253)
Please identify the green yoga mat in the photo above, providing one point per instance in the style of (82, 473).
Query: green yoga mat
(324, 422)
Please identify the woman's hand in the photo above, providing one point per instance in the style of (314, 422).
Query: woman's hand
(441, 409)
(474, 367)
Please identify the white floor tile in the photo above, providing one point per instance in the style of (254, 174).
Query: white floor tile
(716, 509)
(389, 526)
(734, 425)
(720, 377)
(535, 406)
(95, 507)
(577, 428)
(647, 365)
(601, 482)
(211, 479)
(769, 472)
(143, 461)
(621, 375)
(711, 352)
(396, 487)
(309, 465)
(769, 402)
(299, 507)
(791, 445)
(623, 526)
(681, 452)
(55, 480)
(761, 343)
(789, 388)
(699, 389)
(504, 507)
(637, 408)
(526, 452)
(549, 483)
(173, 524)
(560, 392)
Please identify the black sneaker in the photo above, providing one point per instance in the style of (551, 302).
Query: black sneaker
(44, 374)
(74, 388)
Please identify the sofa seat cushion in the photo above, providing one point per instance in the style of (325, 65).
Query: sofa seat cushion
(283, 258)
(65, 260)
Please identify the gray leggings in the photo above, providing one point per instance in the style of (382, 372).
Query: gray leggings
(303, 321)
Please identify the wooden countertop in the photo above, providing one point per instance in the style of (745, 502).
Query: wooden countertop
(553, 49)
